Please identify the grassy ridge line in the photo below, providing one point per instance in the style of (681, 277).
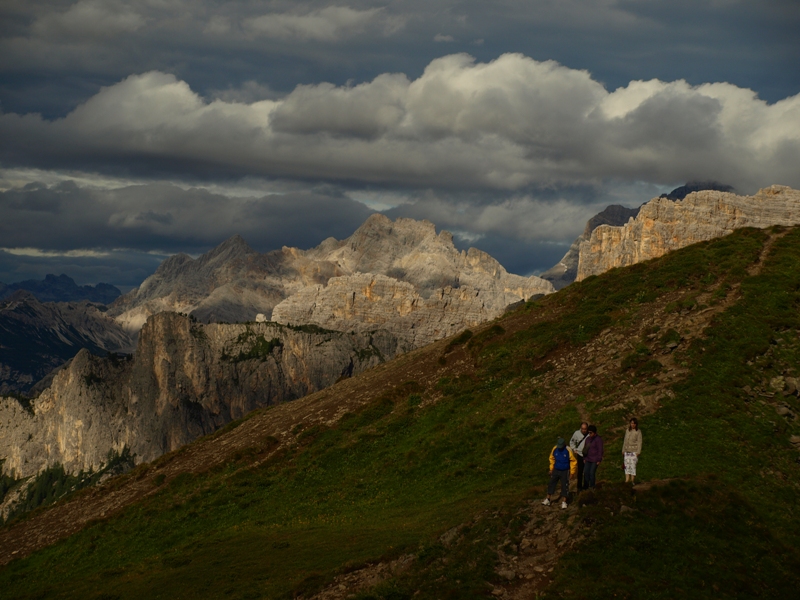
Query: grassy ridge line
(730, 531)
(386, 480)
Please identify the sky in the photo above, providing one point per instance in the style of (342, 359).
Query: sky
(135, 129)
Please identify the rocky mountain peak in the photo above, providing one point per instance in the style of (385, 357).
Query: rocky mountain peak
(233, 248)
(232, 282)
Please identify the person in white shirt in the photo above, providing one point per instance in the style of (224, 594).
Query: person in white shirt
(576, 443)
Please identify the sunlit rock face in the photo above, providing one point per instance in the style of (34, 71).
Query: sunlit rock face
(398, 274)
(186, 379)
(566, 270)
(663, 225)
(408, 280)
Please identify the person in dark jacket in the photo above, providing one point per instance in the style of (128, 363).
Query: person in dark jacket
(592, 457)
(563, 466)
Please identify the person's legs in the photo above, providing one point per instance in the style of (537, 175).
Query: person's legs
(590, 469)
(564, 484)
(630, 466)
(551, 486)
(580, 472)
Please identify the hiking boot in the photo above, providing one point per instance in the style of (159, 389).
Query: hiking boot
(564, 504)
(546, 501)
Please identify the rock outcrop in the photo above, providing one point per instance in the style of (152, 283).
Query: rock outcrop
(185, 380)
(390, 270)
(565, 272)
(364, 301)
(663, 225)
(37, 337)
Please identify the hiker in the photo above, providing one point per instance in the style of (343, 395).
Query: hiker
(631, 449)
(576, 443)
(562, 468)
(592, 457)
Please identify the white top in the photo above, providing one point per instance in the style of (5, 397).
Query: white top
(577, 441)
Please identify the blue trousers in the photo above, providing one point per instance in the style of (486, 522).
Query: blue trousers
(589, 473)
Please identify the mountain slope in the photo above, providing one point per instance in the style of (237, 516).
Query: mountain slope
(37, 337)
(422, 478)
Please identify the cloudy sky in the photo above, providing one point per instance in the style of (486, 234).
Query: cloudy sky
(133, 129)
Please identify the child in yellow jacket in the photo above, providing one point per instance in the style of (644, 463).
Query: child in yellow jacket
(563, 467)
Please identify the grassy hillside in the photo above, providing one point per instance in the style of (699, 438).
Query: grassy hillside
(432, 489)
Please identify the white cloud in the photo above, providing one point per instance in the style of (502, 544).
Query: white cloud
(443, 38)
(39, 253)
(504, 125)
(329, 24)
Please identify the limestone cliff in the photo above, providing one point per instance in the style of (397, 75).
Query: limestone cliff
(185, 380)
(663, 225)
(407, 279)
(565, 272)
(364, 301)
(235, 283)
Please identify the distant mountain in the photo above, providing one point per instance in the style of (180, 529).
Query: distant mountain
(564, 273)
(681, 192)
(62, 289)
(37, 337)
(397, 275)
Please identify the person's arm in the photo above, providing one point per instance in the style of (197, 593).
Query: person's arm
(601, 451)
(573, 464)
(552, 460)
(641, 438)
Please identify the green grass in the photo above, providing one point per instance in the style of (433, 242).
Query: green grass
(391, 478)
(734, 532)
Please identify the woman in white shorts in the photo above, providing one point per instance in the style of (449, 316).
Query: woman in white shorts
(631, 449)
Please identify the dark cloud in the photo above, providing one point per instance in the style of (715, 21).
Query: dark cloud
(65, 216)
(508, 124)
(75, 46)
(125, 269)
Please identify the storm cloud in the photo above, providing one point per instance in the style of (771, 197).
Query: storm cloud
(502, 125)
(167, 218)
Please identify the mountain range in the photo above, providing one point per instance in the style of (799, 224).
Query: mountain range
(423, 477)
(401, 273)
(62, 288)
(37, 337)
(389, 288)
